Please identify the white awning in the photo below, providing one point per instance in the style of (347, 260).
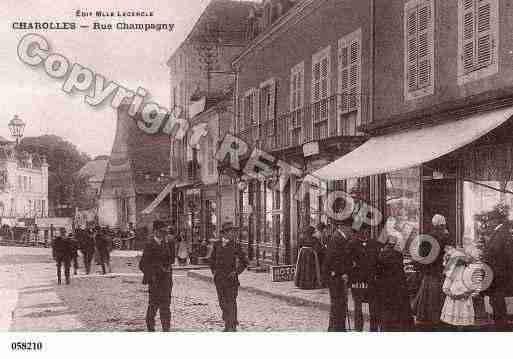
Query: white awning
(396, 151)
(154, 204)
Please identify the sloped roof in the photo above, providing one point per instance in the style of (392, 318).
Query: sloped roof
(4, 140)
(95, 169)
(231, 16)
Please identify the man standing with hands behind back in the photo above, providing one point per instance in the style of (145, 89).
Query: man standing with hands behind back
(156, 264)
(227, 261)
(334, 272)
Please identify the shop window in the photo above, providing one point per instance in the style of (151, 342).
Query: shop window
(403, 203)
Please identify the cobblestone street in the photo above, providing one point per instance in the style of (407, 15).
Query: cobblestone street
(117, 302)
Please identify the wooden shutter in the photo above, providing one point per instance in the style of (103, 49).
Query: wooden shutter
(411, 49)
(354, 74)
(255, 118)
(344, 76)
(424, 42)
(316, 82)
(468, 46)
(484, 37)
(242, 102)
(271, 116)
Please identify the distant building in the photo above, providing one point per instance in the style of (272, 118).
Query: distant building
(137, 171)
(23, 185)
(94, 171)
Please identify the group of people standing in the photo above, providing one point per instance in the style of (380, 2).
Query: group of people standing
(94, 244)
(227, 261)
(346, 262)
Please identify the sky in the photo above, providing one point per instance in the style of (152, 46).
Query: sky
(131, 58)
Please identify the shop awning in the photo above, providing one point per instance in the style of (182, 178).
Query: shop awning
(396, 151)
(160, 197)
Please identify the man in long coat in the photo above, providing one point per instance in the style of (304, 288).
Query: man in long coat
(62, 251)
(334, 274)
(86, 243)
(156, 264)
(498, 254)
(227, 261)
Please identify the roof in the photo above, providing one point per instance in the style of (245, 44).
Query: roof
(4, 140)
(231, 17)
(95, 169)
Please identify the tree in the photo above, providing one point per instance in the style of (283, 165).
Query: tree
(65, 188)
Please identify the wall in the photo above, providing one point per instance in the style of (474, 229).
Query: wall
(323, 26)
(389, 97)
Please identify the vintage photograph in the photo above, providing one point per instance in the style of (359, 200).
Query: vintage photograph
(256, 166)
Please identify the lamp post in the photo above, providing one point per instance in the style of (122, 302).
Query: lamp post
(16, 126)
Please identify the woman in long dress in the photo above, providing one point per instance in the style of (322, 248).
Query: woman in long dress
(429, 299)
(396, 314)
(308, 272)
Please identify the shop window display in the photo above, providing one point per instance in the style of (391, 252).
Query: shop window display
(403, 203)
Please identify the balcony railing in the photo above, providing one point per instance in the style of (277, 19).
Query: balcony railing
(337, 115)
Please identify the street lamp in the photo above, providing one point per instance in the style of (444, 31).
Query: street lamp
(17, 126)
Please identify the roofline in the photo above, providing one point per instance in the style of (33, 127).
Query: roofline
(273, 30)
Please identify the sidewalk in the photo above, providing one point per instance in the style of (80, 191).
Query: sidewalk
(260, 283)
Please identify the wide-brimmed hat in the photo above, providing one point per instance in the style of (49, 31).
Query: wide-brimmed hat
(228, 226)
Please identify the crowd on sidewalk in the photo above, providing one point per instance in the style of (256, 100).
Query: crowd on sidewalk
(439, 295)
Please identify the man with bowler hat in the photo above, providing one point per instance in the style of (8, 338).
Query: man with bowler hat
(227, 261)
(156, 264)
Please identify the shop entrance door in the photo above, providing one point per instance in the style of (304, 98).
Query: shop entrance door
(439, 197)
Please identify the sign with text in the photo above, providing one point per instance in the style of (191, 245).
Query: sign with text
(282, 273)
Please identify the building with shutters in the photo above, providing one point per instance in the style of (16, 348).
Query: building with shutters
(23, 186)
(302, 93)
(440, 132)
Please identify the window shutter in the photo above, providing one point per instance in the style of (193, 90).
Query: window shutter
(272, 107)
(424, 41)
(256, 113)
(468, 35)
(242, 120)
(484, 33)
(354, 78)
(324, 78)
(316, 76)
(344, 76)
(411, 43)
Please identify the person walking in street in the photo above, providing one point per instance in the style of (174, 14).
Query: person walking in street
(182, 250)
(427, 304)
(363, 259)
(227, 261)
(86, 243)
(395, 310)
(102, 246)
(335, 270)
(62, 251)
(74, 252)
(156, 265)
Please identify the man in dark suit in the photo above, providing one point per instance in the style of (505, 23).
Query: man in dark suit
(227, 261)
(156, 264)
(86, 243)
(62, 250)
(334, 272)
(363, 258)
(498, 254)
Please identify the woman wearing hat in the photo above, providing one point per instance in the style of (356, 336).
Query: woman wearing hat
(429, 299)
(308, 272)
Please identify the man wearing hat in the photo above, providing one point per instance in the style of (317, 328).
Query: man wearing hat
(156, 264)
(62, 250)
(227, 261)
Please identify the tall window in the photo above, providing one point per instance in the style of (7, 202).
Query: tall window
(250, 110)
(419, 48)
(320, 93)
(297, 100)
(477, 39)
(210, 156)
(268, 106)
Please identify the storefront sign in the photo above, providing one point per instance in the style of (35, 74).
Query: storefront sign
(282, 273)
(311, 149)
(193, 191)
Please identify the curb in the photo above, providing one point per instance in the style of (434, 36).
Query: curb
(286, 298)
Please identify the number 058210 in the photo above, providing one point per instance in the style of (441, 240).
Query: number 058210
(22, 346)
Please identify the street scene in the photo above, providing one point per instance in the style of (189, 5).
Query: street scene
(304, 166)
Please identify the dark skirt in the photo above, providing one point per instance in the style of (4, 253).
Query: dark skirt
(427, 304)
(307, 269)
